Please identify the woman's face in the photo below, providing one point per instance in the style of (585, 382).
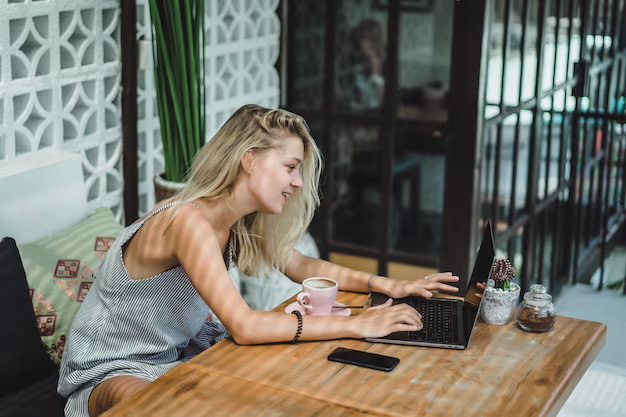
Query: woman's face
(276, 174)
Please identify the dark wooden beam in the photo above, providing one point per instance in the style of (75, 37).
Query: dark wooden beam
(128, 36)
(467, 86)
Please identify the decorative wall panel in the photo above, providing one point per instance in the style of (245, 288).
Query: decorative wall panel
(60, 82)
(242, 47)
(59, 87)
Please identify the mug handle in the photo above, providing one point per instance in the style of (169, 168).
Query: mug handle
(303, 299)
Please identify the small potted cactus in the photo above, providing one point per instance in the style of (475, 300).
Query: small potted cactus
(500, 294)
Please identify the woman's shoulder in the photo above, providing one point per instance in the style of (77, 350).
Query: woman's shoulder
(167, 206)
(191, 220)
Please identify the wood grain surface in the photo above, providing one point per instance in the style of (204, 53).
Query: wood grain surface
(504, 372)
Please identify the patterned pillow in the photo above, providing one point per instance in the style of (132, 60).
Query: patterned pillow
(59, 271)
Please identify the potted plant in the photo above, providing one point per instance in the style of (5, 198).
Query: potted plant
(179, 75)
(500, 294)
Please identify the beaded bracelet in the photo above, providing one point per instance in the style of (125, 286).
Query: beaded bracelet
(299, 332)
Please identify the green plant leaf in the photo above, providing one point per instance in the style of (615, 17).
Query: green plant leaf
(178, 46)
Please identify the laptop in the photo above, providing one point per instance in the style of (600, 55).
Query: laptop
(448, 322)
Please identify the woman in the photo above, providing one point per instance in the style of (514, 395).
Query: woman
(251, 193)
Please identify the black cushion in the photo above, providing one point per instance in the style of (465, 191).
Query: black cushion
(23, 359)
(37, 399)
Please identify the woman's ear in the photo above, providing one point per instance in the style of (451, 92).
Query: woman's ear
(248, 160)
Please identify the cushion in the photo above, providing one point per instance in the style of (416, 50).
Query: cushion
(23, 359)
(38, 399)
(59, 270)
(43, 192)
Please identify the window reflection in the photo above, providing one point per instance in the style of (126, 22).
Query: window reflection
(550, 145)
(360, 57)
(417, 203)
(356, 200)
(512, 249)
(424, 48)
(530, 54)
(512, 178)
(307, 57)
(559, 48)
(488, 170)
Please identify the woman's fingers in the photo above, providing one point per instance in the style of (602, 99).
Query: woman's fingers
(383, 321)
(438, 274)
(405, 314)
(443, 277)
(401, 327)
(423, 288)
(388, 317)
(438, 282)
(481, 287)
(442, 287)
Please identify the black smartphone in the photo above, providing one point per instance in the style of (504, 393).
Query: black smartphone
(366, 359)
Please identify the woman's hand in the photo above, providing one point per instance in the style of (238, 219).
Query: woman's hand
(481, 287)
(423, 287)
(384, 319)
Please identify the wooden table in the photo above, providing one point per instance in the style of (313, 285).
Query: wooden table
(504, 372)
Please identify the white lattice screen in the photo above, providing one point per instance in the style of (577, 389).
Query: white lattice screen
(242, 47)
(59, 87)
(60, 82)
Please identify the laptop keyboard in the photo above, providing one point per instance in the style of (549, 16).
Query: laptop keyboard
(439, 318)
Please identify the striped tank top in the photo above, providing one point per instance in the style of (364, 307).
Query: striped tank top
(133, 327)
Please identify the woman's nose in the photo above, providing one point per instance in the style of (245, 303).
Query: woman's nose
(296, 180)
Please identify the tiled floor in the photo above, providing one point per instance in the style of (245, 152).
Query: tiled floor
(602, 390)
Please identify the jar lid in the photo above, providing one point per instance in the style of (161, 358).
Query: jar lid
(537, 296)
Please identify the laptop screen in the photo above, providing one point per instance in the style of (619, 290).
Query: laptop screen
(482, 266)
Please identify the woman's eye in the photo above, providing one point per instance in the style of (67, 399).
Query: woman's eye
(291, 167)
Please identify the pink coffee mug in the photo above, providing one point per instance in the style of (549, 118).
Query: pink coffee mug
(318, 295)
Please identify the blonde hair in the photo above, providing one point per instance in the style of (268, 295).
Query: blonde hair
(260, 241)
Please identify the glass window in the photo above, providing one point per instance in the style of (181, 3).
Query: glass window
(514, 174)
(522, 156)
(307, 53)
(575, 38)
(360, 55)
(417, 196)
(356, 199)
(424, 53)
(544, 246)
(488, 170)
(512, 69)
(549, 142)
(512, 249)
(615, 166)
(530, 52)
(495, 57)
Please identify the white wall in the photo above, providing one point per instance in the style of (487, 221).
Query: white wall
(60, 83)
(60, 88)
(242, 47)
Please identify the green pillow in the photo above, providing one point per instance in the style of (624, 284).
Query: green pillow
(59, 271)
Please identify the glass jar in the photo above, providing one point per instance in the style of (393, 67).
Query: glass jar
(536, 313)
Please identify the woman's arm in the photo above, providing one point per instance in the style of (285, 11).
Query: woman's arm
(301, 267)
(195, 244)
